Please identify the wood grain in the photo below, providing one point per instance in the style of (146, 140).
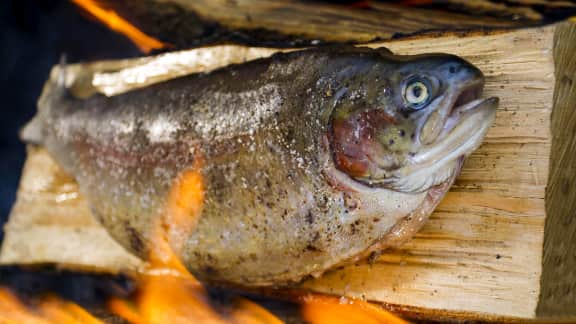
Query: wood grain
(558, 282)
(282, 23)
(293, 23)
(481, 252)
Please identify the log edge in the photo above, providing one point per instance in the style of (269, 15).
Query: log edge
(558, 280)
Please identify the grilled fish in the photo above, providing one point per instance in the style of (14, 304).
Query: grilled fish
(308, 159)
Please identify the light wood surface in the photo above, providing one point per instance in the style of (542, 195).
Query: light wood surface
(481, 252)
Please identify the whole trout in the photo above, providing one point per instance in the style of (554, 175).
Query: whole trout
(307, 159)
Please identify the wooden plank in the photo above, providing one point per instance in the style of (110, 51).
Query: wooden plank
(186, 23)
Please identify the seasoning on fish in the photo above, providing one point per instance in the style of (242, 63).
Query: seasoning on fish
(308, 159)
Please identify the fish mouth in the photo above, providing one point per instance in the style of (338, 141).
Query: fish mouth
(462, 133)
(469, 104)
(469, 94)
(468, 119)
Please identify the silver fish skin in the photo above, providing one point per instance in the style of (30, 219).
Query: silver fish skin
(309, 159)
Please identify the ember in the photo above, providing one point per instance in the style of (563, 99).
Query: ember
(50, 310)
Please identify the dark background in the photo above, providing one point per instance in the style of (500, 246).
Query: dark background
(33, 35)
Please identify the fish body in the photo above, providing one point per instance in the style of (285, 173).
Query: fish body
(308, 159)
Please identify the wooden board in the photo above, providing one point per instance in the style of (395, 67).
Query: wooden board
(481, 252)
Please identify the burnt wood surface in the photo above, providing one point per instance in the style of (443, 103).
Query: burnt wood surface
(290, 23)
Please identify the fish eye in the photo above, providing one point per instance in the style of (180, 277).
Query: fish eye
(416, 93)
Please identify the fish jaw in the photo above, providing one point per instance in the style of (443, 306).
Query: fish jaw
(463, 133)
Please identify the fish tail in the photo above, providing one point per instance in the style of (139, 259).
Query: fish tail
(53, 91)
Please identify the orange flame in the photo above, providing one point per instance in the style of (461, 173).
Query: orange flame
(51, 310)
(321, 309)
(144, 42)
(168, 292)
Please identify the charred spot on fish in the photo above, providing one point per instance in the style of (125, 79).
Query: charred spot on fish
(209, 270)
(313, 243)
(134, 238)
(353, 229)
(374, 255)
(310, 218)
(289, 135)
(391, 142)
(312, 248)
(350, 202)
(268, 183)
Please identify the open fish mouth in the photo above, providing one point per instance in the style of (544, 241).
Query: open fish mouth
(463, 131)
(467, 103)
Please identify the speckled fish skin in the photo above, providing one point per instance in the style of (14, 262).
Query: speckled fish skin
(277, 208)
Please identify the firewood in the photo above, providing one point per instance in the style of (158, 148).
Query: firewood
(501, 244)
(186, 23)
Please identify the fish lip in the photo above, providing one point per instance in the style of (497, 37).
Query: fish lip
(461, 112)
(468, 93)
(468, 99)
(463, 132)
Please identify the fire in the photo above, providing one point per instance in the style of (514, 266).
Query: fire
(168, 293)
(321, 309)
(120, 25)
(51, 310)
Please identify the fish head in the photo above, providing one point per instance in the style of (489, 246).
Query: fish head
(407, 122)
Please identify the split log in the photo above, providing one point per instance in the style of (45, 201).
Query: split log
(500, 245)
(187, 23)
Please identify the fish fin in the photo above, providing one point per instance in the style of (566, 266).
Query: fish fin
(54, 89)
(32, 132)
(61, 80)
